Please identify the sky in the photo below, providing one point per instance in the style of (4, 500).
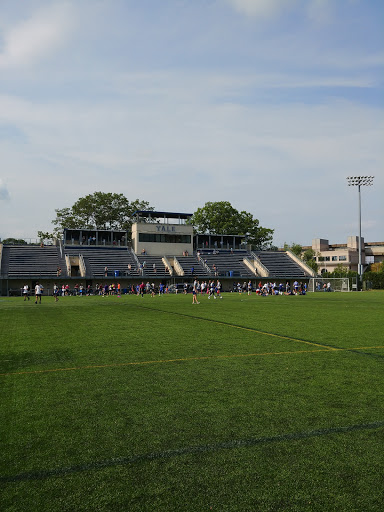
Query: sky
(267, 104)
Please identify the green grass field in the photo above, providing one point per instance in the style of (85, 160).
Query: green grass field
(155, 404)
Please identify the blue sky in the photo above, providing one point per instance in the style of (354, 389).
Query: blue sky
(268, 104)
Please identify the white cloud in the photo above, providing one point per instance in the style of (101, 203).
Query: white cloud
(184, 134)
(4, 194)
(37, 37)
(283, 114)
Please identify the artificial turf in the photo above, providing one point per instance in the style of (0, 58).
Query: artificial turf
(242, 404)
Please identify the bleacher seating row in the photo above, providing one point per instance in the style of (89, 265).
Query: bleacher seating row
(280, 265)
(192, 266)
(96, 259)
(30, 261)
(37, 262)
(153, 267)
(228, 265)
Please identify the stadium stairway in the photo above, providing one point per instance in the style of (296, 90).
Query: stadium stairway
(188, 263)
(148, 271)
(62, 263)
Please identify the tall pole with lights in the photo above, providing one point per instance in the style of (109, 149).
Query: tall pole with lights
(359, 181)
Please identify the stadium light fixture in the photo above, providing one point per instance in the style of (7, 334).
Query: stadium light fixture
(360, 181)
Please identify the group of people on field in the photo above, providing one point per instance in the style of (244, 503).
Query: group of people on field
(204, 287)
(271, 288)
(38, 292)
(212, 289)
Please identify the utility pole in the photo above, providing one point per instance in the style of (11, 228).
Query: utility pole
(359, 181)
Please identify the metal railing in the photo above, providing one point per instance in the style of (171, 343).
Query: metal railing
(259, 266)
(82, 266)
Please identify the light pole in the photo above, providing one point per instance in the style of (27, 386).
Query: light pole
(360, 181)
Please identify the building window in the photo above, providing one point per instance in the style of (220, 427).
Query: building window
(342, 258)
(334, 258)
(164, 238)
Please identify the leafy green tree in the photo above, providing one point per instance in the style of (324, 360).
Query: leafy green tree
(377, 267)
(45, 235)
(296, 249)
(376, 279)
(220, 218)
(14, 241)
(308, 257)
(340, 271)
(100, 210)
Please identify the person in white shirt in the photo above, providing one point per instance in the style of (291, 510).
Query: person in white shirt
(26, 292)
(38, 292)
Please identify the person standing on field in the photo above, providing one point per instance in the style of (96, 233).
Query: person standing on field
(26, 292)
(194, 294)
(38, 292)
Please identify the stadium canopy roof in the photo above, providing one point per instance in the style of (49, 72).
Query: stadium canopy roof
(145, 214)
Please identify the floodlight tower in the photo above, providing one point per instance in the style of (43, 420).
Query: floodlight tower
(359, 181)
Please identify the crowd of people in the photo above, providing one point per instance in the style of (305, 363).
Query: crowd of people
(211, 289)
(271, 288)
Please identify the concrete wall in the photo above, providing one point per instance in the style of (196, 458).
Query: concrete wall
(320, 244)
(161, 248)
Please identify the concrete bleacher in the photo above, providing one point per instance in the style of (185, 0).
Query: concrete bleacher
(280, 265)
(228, 264)
(189, 262)
(22, 261)
(148, 271)
(30, 261)
(97, 258)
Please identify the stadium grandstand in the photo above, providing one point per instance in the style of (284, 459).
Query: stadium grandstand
(162, 247)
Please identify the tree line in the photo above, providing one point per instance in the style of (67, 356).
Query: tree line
(111, 211)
